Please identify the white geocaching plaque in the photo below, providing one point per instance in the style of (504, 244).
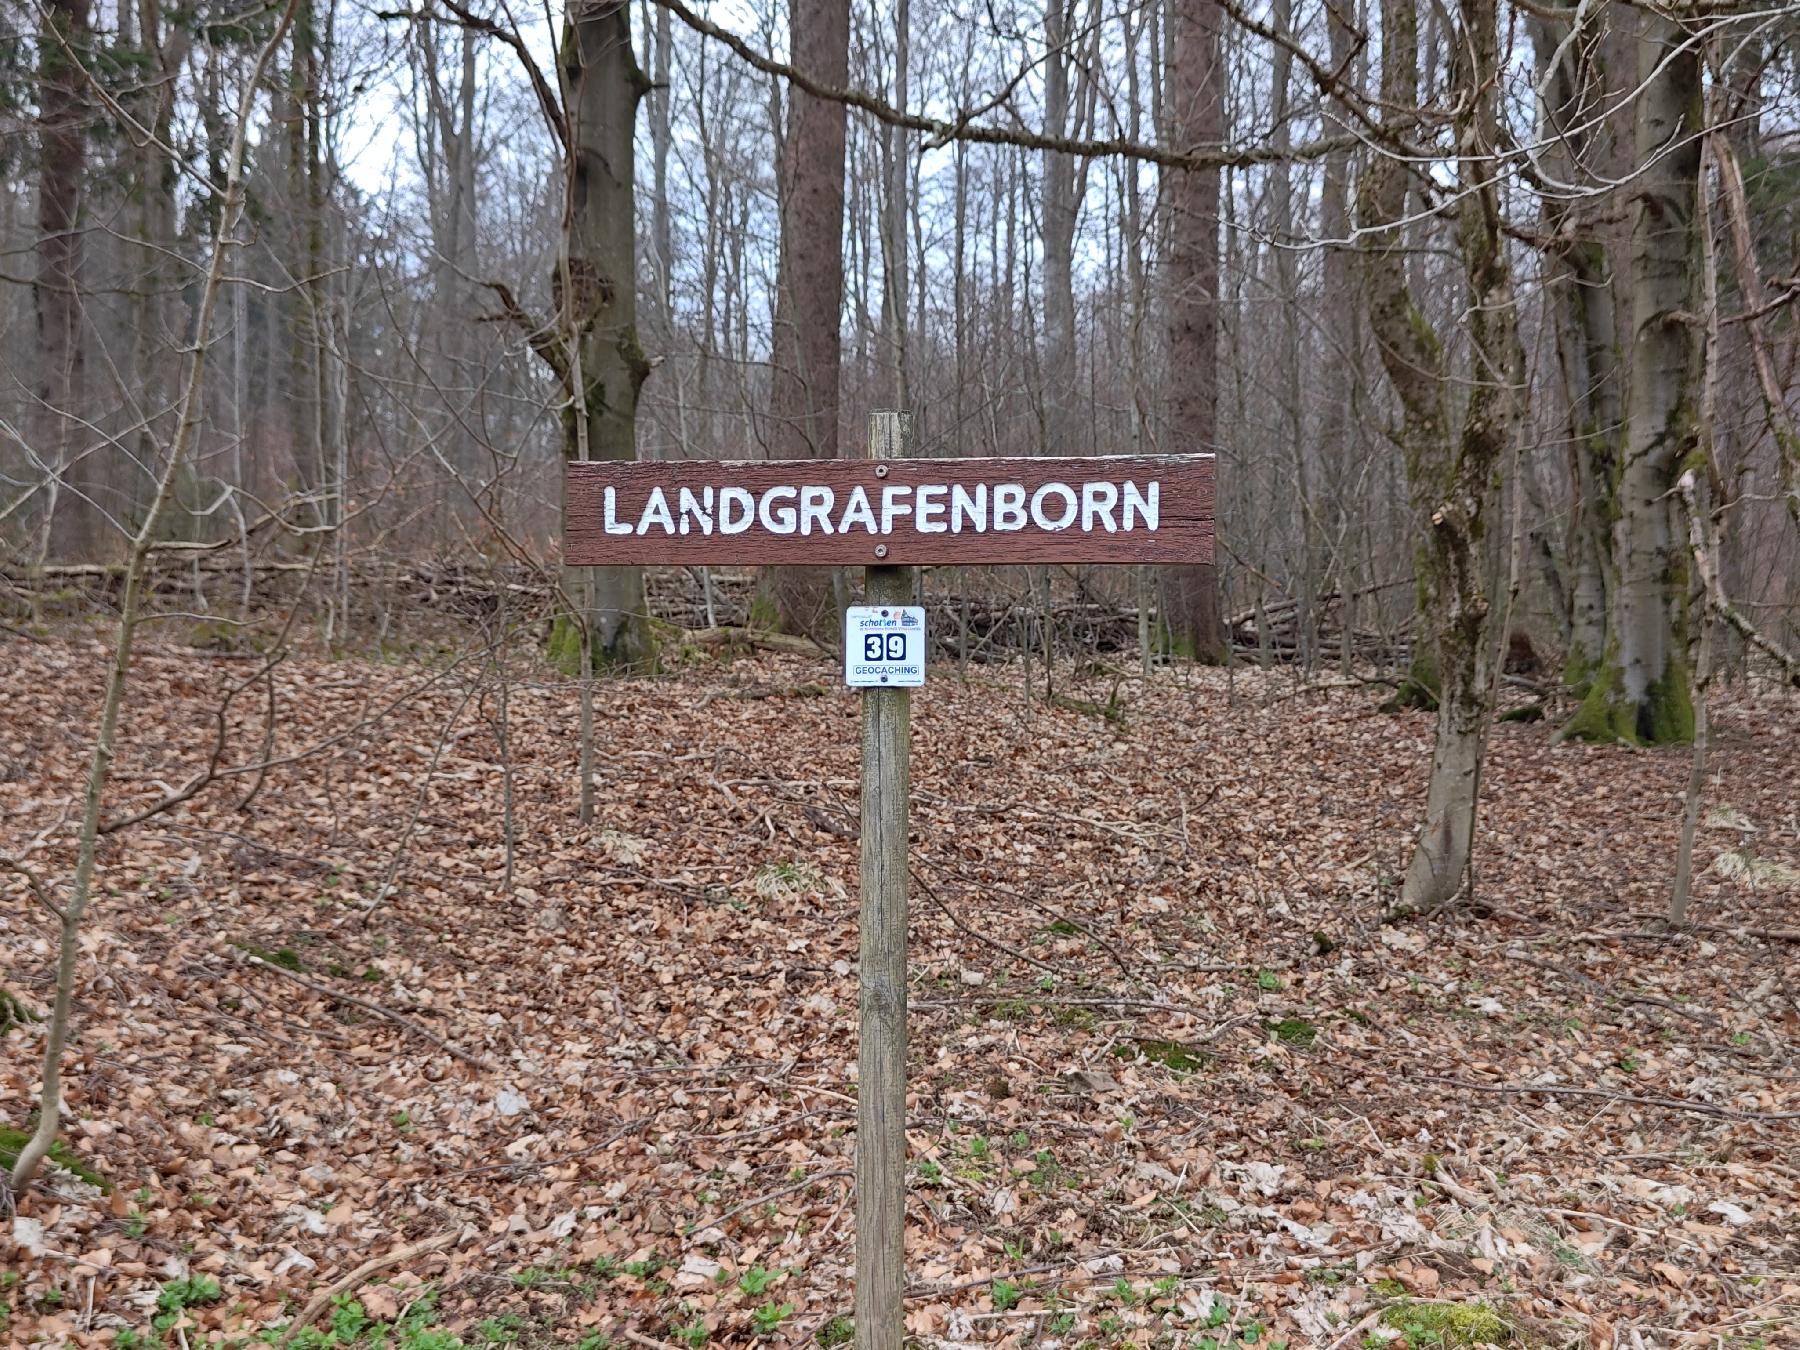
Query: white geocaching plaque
(884, 646)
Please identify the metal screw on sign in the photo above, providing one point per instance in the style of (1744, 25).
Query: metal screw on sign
(881, 1052)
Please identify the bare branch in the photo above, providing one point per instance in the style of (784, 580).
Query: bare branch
(38, 888)
(547, 101)
(963, 129)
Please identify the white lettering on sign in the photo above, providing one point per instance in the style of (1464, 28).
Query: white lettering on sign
(1103, 506)
(884, 646)
(696, 510)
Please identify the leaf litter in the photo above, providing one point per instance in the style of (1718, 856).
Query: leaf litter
(1178, 1076)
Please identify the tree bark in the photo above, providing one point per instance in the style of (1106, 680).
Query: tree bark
(1449, 475)
(1579, 157)
(1341, 378)
(896, 154)
(1061, 207)
(661, 139)
(75, 520)
(1196, 117)
(595, 290)
(806, 345)
(1283, 245)
(1641, 692)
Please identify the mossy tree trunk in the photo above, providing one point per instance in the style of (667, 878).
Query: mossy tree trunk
(1641, 691)
(594, 287)
(1583, 151)
(1450, 474)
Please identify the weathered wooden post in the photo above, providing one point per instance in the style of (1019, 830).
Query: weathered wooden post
(881, 1052)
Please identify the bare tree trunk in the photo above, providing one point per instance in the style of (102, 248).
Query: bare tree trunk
(1449, 476)
(806, 345)
(1134, 242)
(1341, 379)
(1641, 692)
(661, 139)
(306, 257)
(74, 521)
(1284, 241)
(1196, 116)
(153, 279)
(448, 159)
(1749, 278)
(896, 198)
(595, 289)
(1060, 210)
(1573, 81)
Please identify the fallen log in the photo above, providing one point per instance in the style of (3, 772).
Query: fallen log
(752, 638)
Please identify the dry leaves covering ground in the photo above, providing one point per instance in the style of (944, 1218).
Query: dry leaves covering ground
(1175, 1080)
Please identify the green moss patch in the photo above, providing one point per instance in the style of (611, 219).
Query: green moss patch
(1413, 694)
(763, 613)
(285, 957)
(1449, 1324)
(1295, 1031)
(1176, 1055)
(634, 650)
(1606, 716)
(12, 1143)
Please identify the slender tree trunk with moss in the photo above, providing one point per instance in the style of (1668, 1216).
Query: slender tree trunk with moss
(595, 290)
(1450, 474)
(1641, 691)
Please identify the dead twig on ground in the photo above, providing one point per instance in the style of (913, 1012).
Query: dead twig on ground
(839, 1174)
(322, 1299)
(416, 1028)
(1607, 1094)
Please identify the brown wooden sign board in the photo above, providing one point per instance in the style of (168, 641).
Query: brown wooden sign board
(980, 512)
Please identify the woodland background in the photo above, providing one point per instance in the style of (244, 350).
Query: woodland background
(1385, 932)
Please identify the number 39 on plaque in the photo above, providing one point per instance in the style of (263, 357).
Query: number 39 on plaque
(884, 646)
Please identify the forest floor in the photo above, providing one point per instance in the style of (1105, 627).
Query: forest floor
(1175, 1081)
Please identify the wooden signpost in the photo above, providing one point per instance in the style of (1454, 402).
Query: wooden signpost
(889, 510)
(889, 513)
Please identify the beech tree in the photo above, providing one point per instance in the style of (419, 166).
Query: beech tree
(595, 287)
(1587, 147)
(1640, 692)
(1452, 455)
(591, 345)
